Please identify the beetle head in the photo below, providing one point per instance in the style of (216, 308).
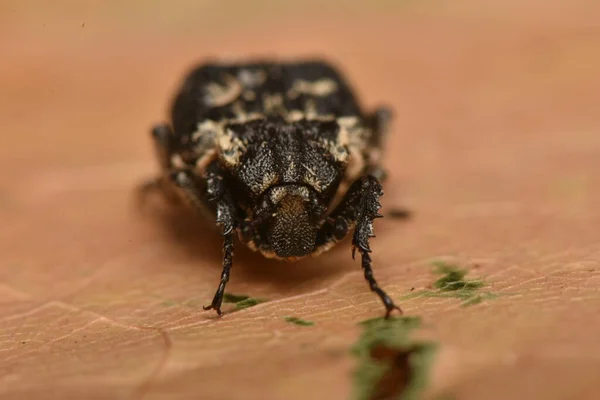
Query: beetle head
(290, 215)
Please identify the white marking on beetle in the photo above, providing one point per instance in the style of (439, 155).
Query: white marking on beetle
(310, 171)
(220, 95)
(311, 109)
(231, 148)
(320, 88)
(177, 161)
(313, 182)
(249, 95)
(356, 164)
(272, 102)
(250, 78)
(350, 130)
(268, 179)
(206, 131)
(205, 138)
(290, 172)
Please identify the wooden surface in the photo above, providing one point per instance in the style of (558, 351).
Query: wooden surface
(496, 148)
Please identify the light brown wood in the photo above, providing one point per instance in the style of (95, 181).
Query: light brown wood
(495, 147)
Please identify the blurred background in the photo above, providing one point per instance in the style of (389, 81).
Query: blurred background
(495, 147)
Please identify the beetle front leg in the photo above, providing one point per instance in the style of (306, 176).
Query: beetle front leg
(220, 198)
(379, 122)
(359, 208)
(162, 137)
(226, 218)
(227, 262)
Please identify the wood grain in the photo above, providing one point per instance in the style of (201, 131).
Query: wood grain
(495, 149)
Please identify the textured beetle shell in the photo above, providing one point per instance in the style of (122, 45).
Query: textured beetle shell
(272, 124)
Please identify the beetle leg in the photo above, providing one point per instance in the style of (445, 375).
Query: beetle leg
(368, 206)
(379, 122)
(227, 262)
(358, 209)
(162, 137)
(220, 198)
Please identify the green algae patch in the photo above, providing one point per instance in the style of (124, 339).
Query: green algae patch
(391, 365)
(299, 321)
(241, 301)
(454, 284)
(453, 278)
(234, 298)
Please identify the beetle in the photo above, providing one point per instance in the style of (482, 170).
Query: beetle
(281, 155)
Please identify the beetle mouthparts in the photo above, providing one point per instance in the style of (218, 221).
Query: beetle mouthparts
(291, 233)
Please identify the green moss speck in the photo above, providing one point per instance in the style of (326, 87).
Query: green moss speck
(390, 363)
(298, 321)
(234, 298)
(453, 278)
(241, 301)
(453, 283)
